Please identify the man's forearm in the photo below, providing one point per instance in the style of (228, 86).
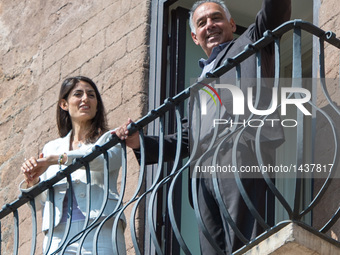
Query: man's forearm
(275, 12)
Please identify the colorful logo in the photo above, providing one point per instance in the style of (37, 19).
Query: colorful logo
(211, 95)
(204, 105)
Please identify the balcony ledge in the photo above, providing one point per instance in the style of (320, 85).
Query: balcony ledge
(292, 239)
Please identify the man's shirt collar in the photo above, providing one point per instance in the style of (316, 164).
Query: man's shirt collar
(215, 51)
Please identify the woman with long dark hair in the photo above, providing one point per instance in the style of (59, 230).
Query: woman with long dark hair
(82, 124)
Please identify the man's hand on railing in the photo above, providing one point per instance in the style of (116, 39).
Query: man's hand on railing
(122, 132)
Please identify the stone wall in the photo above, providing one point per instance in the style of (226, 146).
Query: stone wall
(329, 18)
(43, 42)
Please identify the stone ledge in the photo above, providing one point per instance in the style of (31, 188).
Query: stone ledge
(291, 240)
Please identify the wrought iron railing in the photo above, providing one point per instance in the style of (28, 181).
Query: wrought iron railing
(148, 196)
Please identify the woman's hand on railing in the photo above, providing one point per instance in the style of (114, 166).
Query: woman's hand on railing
(122, 132)
(32, 168)
(29, 169)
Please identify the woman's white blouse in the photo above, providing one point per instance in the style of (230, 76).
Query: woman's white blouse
(60, 146)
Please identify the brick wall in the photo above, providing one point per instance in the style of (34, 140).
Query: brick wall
(329, 18)
(43, 42)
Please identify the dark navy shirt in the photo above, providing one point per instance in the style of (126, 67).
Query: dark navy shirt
(208, 64)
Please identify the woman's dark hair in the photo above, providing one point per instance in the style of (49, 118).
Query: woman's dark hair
(98, 123)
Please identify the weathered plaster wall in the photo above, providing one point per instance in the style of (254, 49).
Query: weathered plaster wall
(43, 42)
(329, 18)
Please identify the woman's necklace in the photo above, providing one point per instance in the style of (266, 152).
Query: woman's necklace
(77, 144)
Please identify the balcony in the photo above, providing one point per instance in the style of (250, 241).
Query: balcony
(287, 227)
